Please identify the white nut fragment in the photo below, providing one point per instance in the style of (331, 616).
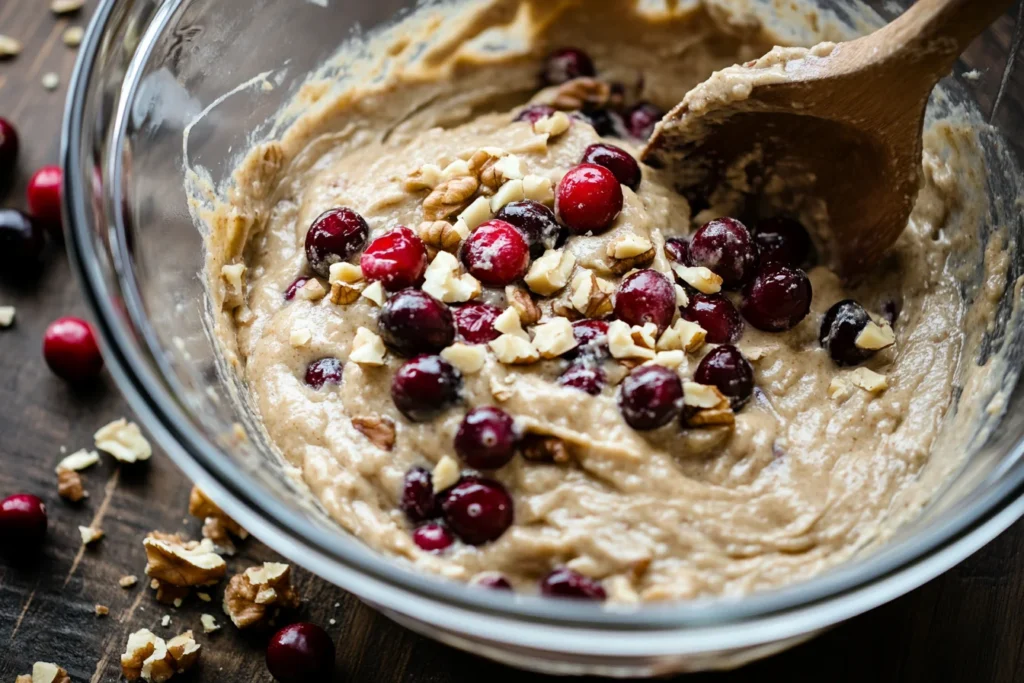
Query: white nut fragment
(591, 295)
(550, 272)
(78, 461)
(467, 358)
(45, 672)
(66, 6)
(514, 350)
(670, 359)
(123, 440)
(699, 277)
(427, 177)
(510, 167)
(89, 534)
(234, 279)
(299, 337)
(681, 298)
(683, 335)
(446, 474)
(209, 623)
(875, 337)
(553, 124)
(367, 348)
(868, 380)
(72, 36)
(839, 388)
(344, 272)
(444, 280)
(9, 47)
(553, 338)
(375, 293)
(645, 335)
(509, 323)
(50, 80)
(312, 290)
(476, 213)
(699, 395)
(6, 316)
(512, 191)
(622, 344)
(628, 245)
(457, 169)
(539, 188)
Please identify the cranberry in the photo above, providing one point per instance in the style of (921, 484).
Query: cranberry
(678, 249)
(584, 374)
(726, 368)
(44, 195)
(21, 242)
(650, 396)
(642, 118)
(424, 386)
(591, 339)
(8, 150)
(777, 299)
(783, 240)
(725, 247)
(588, 199)
(299, 653)
(716, 315)
(70, 350)
(496, 253)
(565, 65)
(478, 510)
(324, 371)
(646, 296)
(432, 537)
(617, 160)
(487, 438)
(294, 287)
(397, 259)
(492, 580)
(534, 113)
(22, 521)
(840, 328)
(333, 237)
(605, 122)
(412, 322)
(536, 222)
(891, 310)
(566, 583)
(475, 323)
(418, 500)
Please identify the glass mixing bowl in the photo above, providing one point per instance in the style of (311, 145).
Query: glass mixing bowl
(158, 82)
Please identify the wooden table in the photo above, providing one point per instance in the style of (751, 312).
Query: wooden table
(964, 626)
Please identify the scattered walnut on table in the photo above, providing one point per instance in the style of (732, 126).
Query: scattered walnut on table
(69, 486)
(173, 561)
(149, 657)
(254, 597)
(217, 526)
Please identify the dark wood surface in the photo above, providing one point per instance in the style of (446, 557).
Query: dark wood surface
(965, 626)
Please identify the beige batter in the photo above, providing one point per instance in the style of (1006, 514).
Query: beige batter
(805, 478)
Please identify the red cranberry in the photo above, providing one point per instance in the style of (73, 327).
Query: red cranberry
(475, 323)
(22, 520)
(646, 296)
(566, 583)
(397, 259)
(641, 120)
(726, 248)
(496, 253)
(588, 199)
(492, 580)
(777, 299)
(678, 249)
(534, 113)
(716, 315)
(591, 339)
(650, 396)
(783, 240)
(477, 510)
(617, 160)
(294, 287)
(21, 242)
(565, 65)
(726, 368)
(424, 386)
(418, 500)
(412, 322)
(333, 237)
(44, 195)
(300, 653)
(605, 122)
(8, 150)
(324, 371)
(70, 350)
(839, 331)
(584, 374)
(487, 438)
(432, 537)
(536, 222)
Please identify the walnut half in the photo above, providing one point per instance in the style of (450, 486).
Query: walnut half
(149, 657)
(173, 561)
(217, 526)
(255, 596)
(450, 197)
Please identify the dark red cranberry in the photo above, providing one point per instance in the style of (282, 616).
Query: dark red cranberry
(397, 259)
(492, 580)
(678, 249)
(536, 221)
(565, 65)
(534, 113)
(566, 583)
(22, 521)
(891, 310)
(418, 500)
(487, 438)
(21, 242)
(294, 287)
(605, 122)
(588, 199)
(726, 368)
(70, 349)
(412, 321)
(432, 537)
(334, 236)
(777, 299)
(726, 248)
(591, 338)
(475, 323)
(496, 253)
(584, 374)
(300, 653)
(324, 371)
(477, 510)
(642, 118)
(716, 315)
(646, 296)
(44, 196)
(650, 396)
(424, 386)
(617, 160)
(783, 240)
(8, 150)
(840, 328)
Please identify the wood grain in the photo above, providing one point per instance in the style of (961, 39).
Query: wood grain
(964, 626)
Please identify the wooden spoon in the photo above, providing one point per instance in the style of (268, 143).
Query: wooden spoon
(842, 124)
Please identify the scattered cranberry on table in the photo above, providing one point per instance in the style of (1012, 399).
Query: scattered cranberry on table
(397, 259)
(727, 369)
(418, 500)
(21, 242)
(646, 296)
(783, 240)
(566, 583)
(496, 253)
(725, 247)
(642, 118)
(716, 315)
(678, 249)
(425, 386)
(567, 64)
(477, 510)
(536, 222)
(412, 322)
(300, 653)
(487, 438)
(8, 150)
(44, 189)
(324, 371)
(294, 287)
(777, 299)
(432, 537)
(588, 199)
(617, 160)
(475, 323)
(70, 349)
(334, 236)
(584, 374)
(840, 328)
(651, 396)
(22, 521)
(534, 113)
(591, 339)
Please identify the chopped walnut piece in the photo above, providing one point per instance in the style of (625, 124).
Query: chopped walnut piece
(868, 380)
(367, 348)
(682, 300)
(23, 678)
(544, 448)
(699, 277)
(539, 189)
(553, 124)
(576, 94)
(469, 359)
(345, 293)
(441, 235)
(379, 430)
(711, 417)
(449, 198)
(128, 581)
(501, 389)
(591, 295)
(446, 473)
(375, 292)
(629, 252)
(123, 440)
(78, 461)
(209, 623)
(622, 341)
(427, 177)
(234, 279)
(512, 191)
(445, 280)
(550, 272)
(217, 525)
(254, 597)
(513, 350)
(702, 395)
(69, 486)
(519, 299)
(481, 164)
(101, 610)
(670, 359)
(473, 215)
(683, 335)
(9, 47)
(456, 169)
(875, 337)
(184, 650)
(706, 406)
(348, 273)
(299, 337)
(173, 561)
(510, 323)
(312, 290)
(66, 6)
(90, 534)
(554, 338)
(44, 672)
(144, 651)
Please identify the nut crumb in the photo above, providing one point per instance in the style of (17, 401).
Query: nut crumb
(78, 461)
(72, 37)
(553, 124)
(6, 316)
(90, 535)
(128, 581)
(101, 610)
(868, 380)
(123, 440)
(209, 623)
(9, 47)
(66, 6)
(69, 486)
(50, 80)
(44, 672)
(254, 597)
